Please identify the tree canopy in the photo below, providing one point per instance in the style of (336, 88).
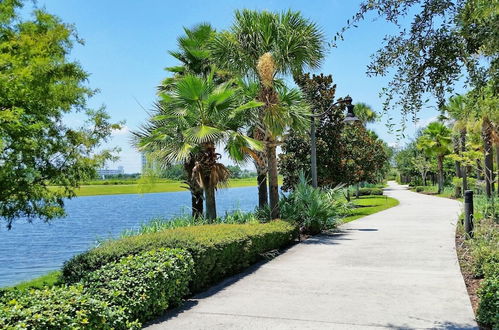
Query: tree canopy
(39, 86)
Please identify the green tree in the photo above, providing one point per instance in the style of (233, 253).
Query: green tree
(195, 58)
(40, 85)
(191, 119)
(264, 45)
(436, 141)
(445, 39)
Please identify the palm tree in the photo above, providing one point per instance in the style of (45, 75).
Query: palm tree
(436, 141)
(365, 113)
(458, 111)
(263, 45)
(192, 118)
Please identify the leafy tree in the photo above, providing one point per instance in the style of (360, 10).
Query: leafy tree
(191, 119)
(423, 166)
(39, 86)
(346, 154)
(264, 45)
(319, 91)
(436, 142)
(445, 39)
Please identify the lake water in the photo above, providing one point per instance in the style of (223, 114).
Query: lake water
(33, 249)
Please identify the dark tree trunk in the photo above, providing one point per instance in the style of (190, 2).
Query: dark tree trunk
(263, 197)
(194, 188)
(497, 165)
(273, 179)
(464, 168)
(440, 174)
(211, 206)
(488, 155)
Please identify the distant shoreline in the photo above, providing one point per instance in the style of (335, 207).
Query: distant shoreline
(170, 186)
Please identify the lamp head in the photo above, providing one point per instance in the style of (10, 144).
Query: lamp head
(350, 116)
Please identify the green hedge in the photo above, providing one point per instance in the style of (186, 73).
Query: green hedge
(144, 286)
(120, 295)
(420, 188)
(65, 307)
(370, 191)
(218, 250)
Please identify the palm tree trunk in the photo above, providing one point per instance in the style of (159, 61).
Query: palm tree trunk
(261, 178)
(273, 179)
(457, 165)
(440, 174)
(464, 168)
(194, 188)
(263, 196)
(488, 156)
(211, 206)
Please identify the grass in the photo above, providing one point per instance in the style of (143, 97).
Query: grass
(155, 187)
(48, 279)
(370, 205)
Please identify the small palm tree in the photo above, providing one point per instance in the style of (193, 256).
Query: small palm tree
(263, 45)
(194, 117)
(436, 141)
(365, 113)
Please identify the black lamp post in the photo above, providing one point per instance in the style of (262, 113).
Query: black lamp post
(349, 118)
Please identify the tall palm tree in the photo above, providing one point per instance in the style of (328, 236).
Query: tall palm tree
(263, 45)
(192, 118)
(436, 141)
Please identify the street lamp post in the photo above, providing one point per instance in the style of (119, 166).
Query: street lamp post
(350, 117)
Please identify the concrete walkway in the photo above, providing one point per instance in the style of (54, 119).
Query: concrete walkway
(395, 269)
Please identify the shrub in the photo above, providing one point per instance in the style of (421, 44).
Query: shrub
(145, 285)
(420, 188)
(312, 209)
(370, 191)
(64, 307)
(218, 250)
(488, 307)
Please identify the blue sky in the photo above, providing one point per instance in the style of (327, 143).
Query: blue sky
(126, 44)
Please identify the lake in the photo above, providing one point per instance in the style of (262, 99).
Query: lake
(33, 249)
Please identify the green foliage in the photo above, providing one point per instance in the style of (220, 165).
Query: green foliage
(434, 45)
(488, 307)
(313, 209)
(143, 286)
(420, 188)
(64, 307)
(345, 154)
(218, 250)
(370, 191)
(40, 85)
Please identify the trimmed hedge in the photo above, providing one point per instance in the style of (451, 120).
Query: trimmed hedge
(65, 307)
(218, 250)
(370, 191)
(120, 295)
(145, 285)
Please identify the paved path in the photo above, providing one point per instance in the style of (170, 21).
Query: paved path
(394, 269)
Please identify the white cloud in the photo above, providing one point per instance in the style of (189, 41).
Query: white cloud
(124, 130)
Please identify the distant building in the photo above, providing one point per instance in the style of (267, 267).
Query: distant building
(144, 162)
(103, 172)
